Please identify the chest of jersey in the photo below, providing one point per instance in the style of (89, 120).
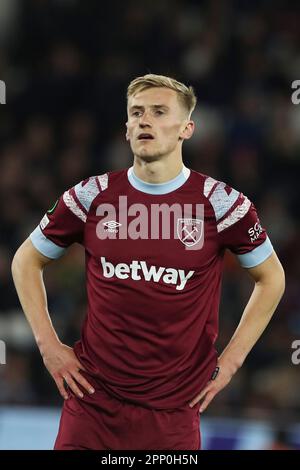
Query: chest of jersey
(156, 238)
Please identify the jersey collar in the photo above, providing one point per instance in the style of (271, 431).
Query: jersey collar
(160, 188)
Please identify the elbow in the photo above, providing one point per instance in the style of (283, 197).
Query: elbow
(19, 260)
(27, 258)
(16, 263)
(278, 281)
(282, 282)
(273, 281)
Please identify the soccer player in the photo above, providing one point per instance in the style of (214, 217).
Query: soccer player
(154, 238)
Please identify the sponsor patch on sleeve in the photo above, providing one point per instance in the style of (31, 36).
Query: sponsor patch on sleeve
(44, 222)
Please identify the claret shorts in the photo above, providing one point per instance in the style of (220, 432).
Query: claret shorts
(102, 422)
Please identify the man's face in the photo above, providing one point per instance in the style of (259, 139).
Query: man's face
(157, 123)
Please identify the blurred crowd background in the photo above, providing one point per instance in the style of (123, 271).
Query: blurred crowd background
(66, 65)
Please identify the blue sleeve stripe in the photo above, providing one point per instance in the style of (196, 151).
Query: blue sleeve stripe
(256, 256)
(44, 245)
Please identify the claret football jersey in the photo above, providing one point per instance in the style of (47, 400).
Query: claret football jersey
(154, 255)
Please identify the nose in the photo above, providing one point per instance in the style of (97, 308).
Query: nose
(145, 121)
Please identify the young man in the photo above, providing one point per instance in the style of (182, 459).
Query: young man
(154, 238)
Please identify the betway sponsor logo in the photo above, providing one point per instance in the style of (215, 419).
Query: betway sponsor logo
(138, 270)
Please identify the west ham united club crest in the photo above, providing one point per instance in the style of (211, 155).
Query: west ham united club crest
(190, 232)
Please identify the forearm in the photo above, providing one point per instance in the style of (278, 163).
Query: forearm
(256, 316)
(60, 359)
(28, 279)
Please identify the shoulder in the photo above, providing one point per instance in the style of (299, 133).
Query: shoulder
(212, 188)
(80, 197)
(88, 189)
(229, 205)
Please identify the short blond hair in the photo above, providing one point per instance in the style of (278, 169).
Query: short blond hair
(186, 94)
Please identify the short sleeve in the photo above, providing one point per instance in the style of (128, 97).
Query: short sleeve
(64, 223)
(238, 226)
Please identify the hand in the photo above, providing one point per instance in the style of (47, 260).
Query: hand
(223, 376)
(64, 366)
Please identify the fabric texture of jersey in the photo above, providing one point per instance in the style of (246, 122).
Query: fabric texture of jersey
(152, 315)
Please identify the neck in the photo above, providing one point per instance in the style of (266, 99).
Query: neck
(157, 171)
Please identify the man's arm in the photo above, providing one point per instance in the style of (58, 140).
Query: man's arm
(27, 270)
(269, 287)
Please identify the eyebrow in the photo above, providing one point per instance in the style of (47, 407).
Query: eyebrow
(153, 106)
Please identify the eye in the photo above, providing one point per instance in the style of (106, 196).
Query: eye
(159, 112)
(136, 113)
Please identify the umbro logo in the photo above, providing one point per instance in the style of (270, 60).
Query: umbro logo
(112, 226)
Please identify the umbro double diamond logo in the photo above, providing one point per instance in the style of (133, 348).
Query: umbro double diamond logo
(112, 226)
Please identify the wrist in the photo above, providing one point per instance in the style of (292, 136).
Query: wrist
(46, 342)
(232, 363)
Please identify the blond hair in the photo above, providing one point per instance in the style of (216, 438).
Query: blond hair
(186, 94)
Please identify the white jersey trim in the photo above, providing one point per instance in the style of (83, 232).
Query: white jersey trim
(103, 181)
(238, 213)
(208, 185)
(87, 193)
(73, 206)
(221, 201)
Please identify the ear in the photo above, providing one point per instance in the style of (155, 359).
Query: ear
(187, 131)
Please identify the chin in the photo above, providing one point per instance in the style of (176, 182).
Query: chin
(148, 156)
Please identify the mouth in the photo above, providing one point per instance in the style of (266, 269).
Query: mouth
(145, 136)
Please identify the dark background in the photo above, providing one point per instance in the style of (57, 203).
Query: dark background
(67, 64)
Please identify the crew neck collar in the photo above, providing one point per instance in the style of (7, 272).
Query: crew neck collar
(158, 188)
